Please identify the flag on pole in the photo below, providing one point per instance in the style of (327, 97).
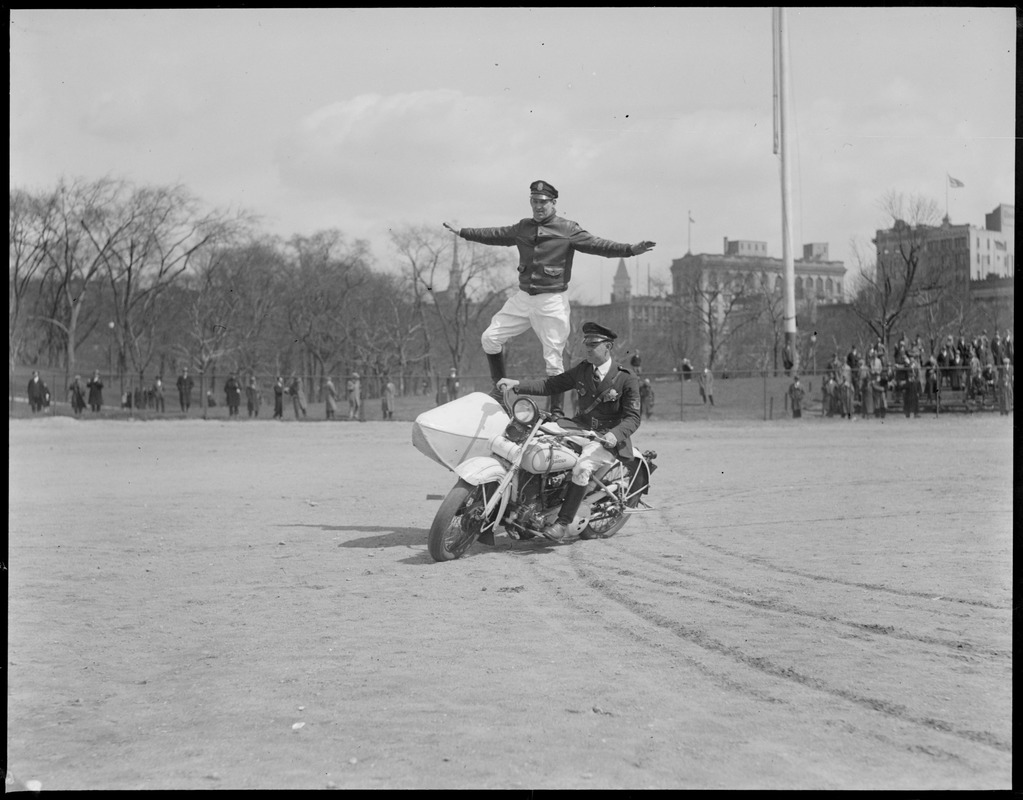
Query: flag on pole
(691, 219)
(954, 182)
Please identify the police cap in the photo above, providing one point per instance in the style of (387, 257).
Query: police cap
(543, 189)
(594, 332)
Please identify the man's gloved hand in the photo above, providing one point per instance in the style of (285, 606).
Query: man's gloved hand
(507, 383)
(609, 439)
(642, 247)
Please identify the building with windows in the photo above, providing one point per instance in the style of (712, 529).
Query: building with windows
(742, 280)
(957, 253)
(972, 267)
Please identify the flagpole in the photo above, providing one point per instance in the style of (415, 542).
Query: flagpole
(689, 245)
(781, 71)
(946, 194)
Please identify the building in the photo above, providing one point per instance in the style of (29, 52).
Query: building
(973, 267)
(711, 287)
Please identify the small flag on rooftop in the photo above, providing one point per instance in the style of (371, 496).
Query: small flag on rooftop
(955, 183)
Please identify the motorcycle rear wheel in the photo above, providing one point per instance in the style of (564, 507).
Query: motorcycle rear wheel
(608, 526)
(458, 523)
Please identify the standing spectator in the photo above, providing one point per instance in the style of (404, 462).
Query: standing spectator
(158, 401)
(687, 369)
(297, 392)
(846, 393)
(252, 398)
(77, 392)
(975, 386)
(547, 245)
(95, 387)
(38, 394)
(1004, 388)
(330, 398)
(636, 362)
(829, 394)
(796, 395)
(996, 349)
(232, 395)
(387, 398)
(453, 385)
(354, 391)
(279, 398)
(879, 387)
(185, 384)
(707, 385)
(646, 398)
(866, 395)
(1007, 348)
(911, 389)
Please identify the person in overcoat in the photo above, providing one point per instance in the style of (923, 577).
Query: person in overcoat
(95, 387)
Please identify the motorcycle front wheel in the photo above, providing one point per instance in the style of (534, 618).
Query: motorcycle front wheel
(612, 520)
(458, 523)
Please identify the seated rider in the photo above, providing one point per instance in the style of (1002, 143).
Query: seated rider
(608, 404)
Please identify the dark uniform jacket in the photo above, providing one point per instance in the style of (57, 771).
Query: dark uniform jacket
(612, 405)
(546, 249)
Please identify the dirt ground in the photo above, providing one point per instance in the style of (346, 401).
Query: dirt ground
(814, 604)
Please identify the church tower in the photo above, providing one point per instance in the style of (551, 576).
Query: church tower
(621, 286)
(455, 277)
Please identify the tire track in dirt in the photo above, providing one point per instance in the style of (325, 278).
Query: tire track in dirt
(732, 592)
(667, 520)
(707, 641)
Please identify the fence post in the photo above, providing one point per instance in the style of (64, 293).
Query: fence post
(681, 394)
(765, 395)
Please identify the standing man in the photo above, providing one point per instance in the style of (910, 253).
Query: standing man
(547, 245)
(707, 385)
(185, 384)
(233, 395)
(354, 390)
(453, 386)
(95, 387)
(646, 397)
(610, 406)
(297, 391)
(38, 394)
(279, 398)
(252, 397)
(330, 395)
(387, 398)
(158, 402)
(796, 395)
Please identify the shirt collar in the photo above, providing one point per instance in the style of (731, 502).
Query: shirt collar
(603, 369)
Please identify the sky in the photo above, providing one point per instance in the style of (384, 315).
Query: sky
(366, 120)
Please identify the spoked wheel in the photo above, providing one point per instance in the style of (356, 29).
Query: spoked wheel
(458, 523)
(607, 521)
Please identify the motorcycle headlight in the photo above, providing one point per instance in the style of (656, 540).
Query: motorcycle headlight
(525, 411)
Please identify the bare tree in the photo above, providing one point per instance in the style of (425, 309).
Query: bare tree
(893, 284)
(719, 311)
(149, 237)
(322, 308)
(451, 289)
(33, 232)
(76, 259)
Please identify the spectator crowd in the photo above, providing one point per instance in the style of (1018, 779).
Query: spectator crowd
(979, 370)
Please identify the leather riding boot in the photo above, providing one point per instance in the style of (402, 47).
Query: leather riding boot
(554, 405)
(496, 364)
(573, 499)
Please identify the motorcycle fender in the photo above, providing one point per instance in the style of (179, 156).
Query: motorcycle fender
(480, 469)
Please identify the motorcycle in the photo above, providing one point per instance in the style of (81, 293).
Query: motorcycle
(513, 471)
